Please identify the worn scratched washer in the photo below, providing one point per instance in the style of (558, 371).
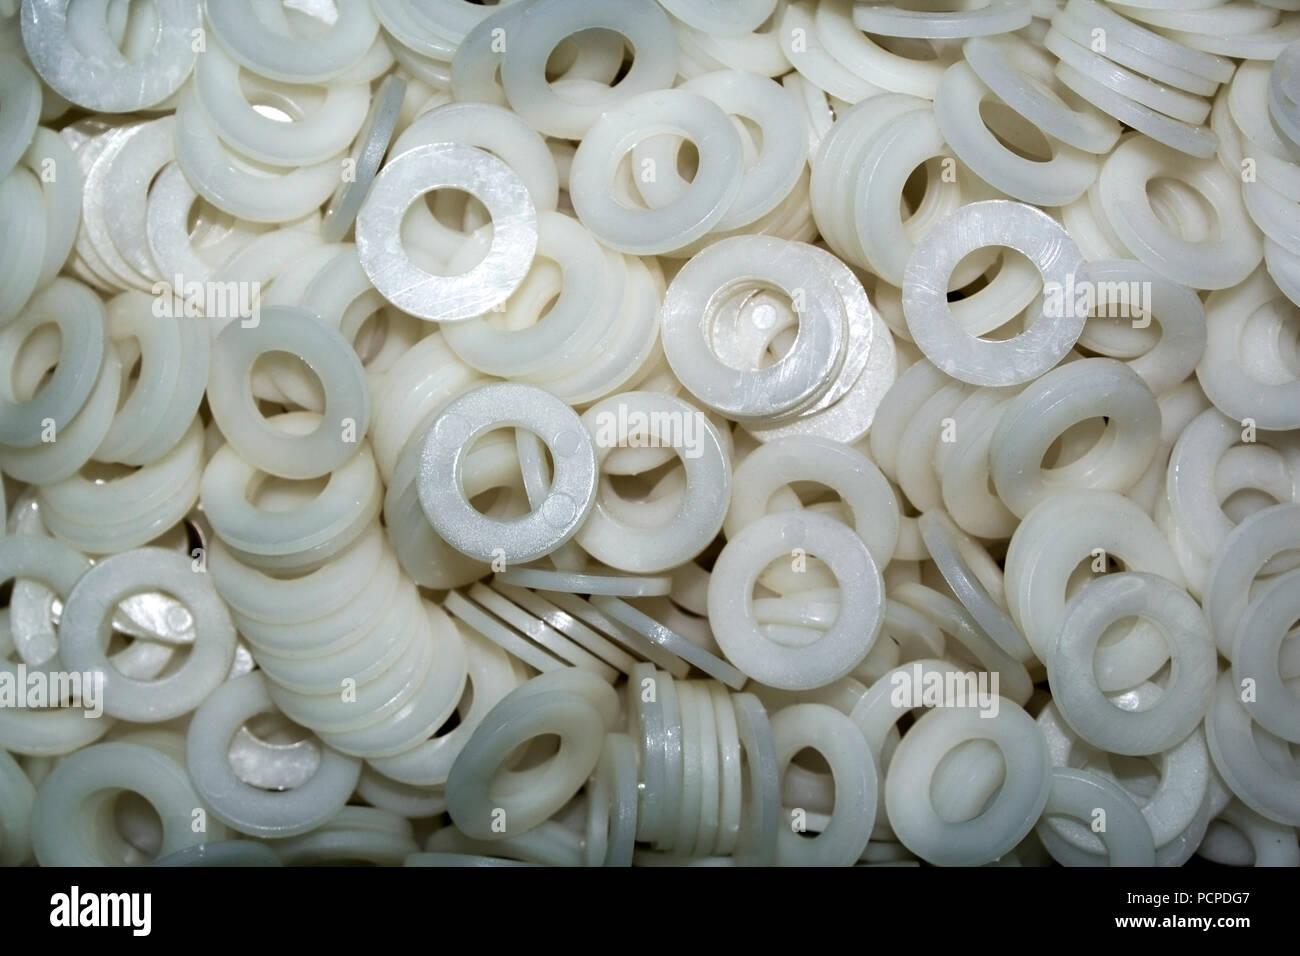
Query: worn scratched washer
(104, 79)
(443, 166)
(453, 433)
(725, 269)
(1045, 341)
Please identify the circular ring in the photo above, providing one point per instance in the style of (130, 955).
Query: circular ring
(445, 166)
(102, 79)
(541, 27)
(997, 16)
(930, 320)
(700, 207)
(79, 316)
(1232, 379)
(648, 418)
(1257, 766)
(1021, 76)
(485, 812)
(86, 624)
(1064, 397)
(74, 788)
(780, 463)
(286, 56)
(365, 159)
(1064, 530)
(1079, 795)
(1010, 815)
(1259, 636)
(441, 480)
(722, 271)
(346, 415)
(837, 739)
(306, 535)
(1099, 605)
(731, 608)
(249, 809)
(1238, 561)
(1052, 182)
(1207, 264)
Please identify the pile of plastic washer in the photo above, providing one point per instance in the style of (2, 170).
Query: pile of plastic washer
(615, 431)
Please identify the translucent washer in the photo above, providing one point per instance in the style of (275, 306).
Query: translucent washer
(445, 166)
(930, 319)
(441, 483)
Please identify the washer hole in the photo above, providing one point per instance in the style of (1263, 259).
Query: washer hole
(1181, 208)
(1014, 132)
(300, 385)
(36, 360)
(966, 780)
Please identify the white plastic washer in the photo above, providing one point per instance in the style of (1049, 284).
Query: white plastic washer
(1246, 551)
(540, 27)
(61, 835)
(249, 809)
(612, 539)
(777, 464)
(1064, 530)
(1010, 815)
(287, 57)
(1191, 493)
(310, 137)
(1079, 794)
(1196, 141)
(84, 632)
(453, 432)
(1047, 338)
(575, 582)
(670, 641)
(529, 711)
(773, 174)
(446, 298)
(722, 270)
(1180, 708)
(1239, 388)
(612, 805)
(954, 552)
(490, 677)
(1069, 25)
(731, 613)
(1020, 74)
(1050, 406)
(303, 536)
(364, 160)
(1212, 263)
(83, 341)
(103, 79)
(1259, 767)
(700, 207)
(273, 195)
(837, 739)
(20, 100)
(997, 16)
(1152, 44)
(346, 414)
(1052, 182)
(1255, 650)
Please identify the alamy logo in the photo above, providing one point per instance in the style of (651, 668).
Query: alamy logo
(74, 908)
(920, 687)
(1104, 300)
(212, 299)
(23, 689)
(633, 428)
